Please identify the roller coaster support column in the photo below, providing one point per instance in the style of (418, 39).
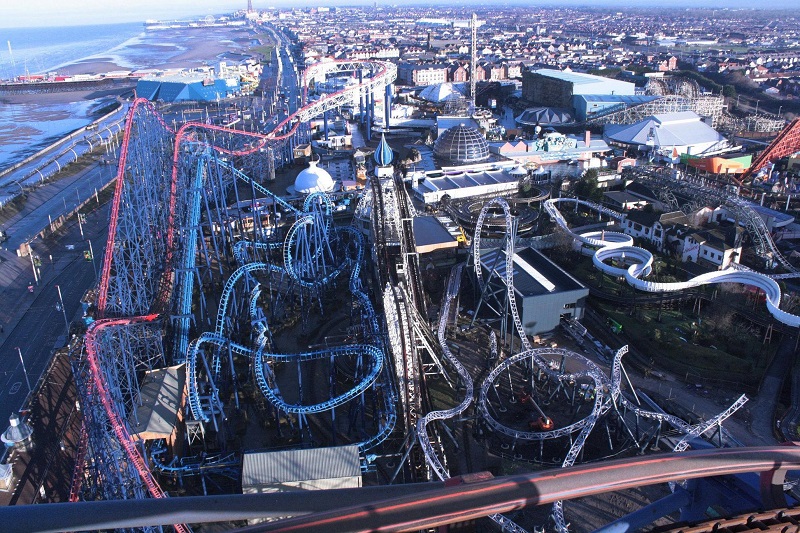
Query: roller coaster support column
(361, 98)
(325, 123)
(387, 106)
(370, 113)
(506, 309)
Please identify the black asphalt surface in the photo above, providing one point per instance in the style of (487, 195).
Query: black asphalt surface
(32, 321)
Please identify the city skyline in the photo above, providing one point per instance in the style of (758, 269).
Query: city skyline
(53, 13)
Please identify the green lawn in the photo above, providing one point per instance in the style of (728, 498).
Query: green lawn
(684, 343)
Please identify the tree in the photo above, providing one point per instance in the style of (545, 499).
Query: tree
(729, 91)
(587, 186)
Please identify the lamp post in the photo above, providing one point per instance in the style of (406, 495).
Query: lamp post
(33, 265)
(63, 309)
(780, 108)
(91, 252)
(24, 370)
(757, 101)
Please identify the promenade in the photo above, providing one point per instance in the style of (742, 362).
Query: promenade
(33, 321)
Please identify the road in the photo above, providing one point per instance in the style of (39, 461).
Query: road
(47, 203)
(59, 155)
(32, 322)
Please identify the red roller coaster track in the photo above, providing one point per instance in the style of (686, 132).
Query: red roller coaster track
(384, 74)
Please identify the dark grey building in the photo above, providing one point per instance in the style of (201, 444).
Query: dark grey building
(544, 292)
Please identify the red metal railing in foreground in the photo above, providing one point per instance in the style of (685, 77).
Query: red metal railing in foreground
(418, 506)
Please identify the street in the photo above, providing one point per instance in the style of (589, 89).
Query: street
(33, 322)
(47, 203)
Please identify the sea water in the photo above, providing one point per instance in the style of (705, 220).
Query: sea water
(42, 50)
(27, 127)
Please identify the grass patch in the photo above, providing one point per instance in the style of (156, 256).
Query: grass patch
(103, 195)
(683, 343)
(718, 344)
(267, 50)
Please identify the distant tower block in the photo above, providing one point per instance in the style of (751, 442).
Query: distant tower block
(249, 6)
(473, 60)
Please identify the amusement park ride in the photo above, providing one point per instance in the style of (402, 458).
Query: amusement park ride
(183, 287)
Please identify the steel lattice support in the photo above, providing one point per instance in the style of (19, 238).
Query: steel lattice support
(137, 242)
(170, 236)
(786, 143)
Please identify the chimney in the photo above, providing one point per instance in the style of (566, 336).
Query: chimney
(588, 139)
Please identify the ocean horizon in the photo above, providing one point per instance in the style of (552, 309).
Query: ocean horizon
(29, 124)
(42, 50)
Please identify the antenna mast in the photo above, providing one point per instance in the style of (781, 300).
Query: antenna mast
(473, 61)
(13, 65)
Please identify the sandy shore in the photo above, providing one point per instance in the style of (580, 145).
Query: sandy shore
(168, 49)
(159, 50)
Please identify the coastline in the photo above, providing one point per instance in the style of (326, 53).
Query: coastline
(166, 50)
(32, 120)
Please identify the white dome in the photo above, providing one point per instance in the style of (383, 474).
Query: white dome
(313, 179)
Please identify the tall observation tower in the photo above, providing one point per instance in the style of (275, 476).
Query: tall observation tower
(473, 60)
(249, 6)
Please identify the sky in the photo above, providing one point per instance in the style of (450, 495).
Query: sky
(33, 13)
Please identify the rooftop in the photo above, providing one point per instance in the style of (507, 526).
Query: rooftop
(534, 274)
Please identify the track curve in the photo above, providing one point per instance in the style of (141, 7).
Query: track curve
(607, 392)
(174, 145)
(610, 247)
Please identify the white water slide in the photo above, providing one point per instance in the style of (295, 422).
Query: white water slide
(618, 246)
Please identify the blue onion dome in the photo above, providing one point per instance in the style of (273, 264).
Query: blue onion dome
(383, 154)
(461, 145)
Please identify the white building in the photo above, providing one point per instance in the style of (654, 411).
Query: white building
(464, 181)
(668, 135)
(717, 247)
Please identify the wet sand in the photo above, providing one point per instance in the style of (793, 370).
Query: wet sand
(167, 50)
(171, 49)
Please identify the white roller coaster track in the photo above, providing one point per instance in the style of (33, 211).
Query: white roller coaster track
(742, 209)
(609, 246)
(384, 73)
(607, 392)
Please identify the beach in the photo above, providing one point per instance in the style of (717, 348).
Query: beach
(30, 121)
(167, 49)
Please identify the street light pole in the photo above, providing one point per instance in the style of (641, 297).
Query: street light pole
(33, 265)
(24, 370)
(757, 101)
(63, 309)
(91, 252)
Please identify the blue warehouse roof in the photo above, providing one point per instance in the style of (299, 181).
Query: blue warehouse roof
(177, 89)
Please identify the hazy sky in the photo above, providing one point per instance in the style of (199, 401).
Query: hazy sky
(28, 13)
